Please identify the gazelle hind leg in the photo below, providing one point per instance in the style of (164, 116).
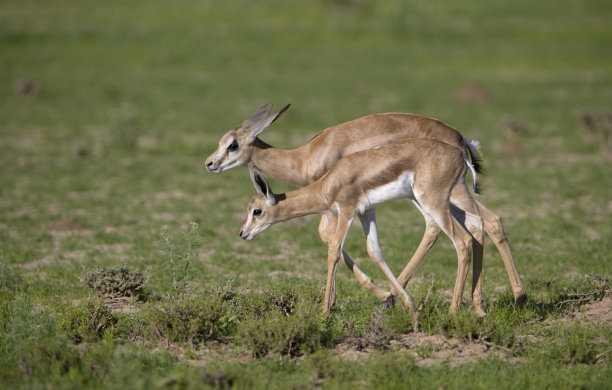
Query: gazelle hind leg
(368, 220)
(364, 280)
(494, 229)
(472, 221)
(473, 224)
(476, 229)
(437, 206)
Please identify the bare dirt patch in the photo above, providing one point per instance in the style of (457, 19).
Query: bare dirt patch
(597, 311)
(427, 350)
(212, 351)
(473, 92)
(123, 305)
(70, 223)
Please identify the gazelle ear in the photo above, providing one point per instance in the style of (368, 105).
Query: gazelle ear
(257, 116)
(257, 128)
(260, 184)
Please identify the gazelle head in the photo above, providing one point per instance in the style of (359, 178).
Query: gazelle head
(235, 147)
(260, 211)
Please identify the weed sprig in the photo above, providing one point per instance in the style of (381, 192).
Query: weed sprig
(180, 251)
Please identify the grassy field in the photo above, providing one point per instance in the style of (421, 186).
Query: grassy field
(120, 261)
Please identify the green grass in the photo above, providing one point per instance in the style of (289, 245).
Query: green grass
(109, 110)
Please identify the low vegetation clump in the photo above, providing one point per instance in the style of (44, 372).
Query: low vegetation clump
(284, 320)
(88, 321)
(115, 281)
(191, 320)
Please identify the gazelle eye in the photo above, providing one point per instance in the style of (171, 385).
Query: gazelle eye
(256, 212)
(232, 147)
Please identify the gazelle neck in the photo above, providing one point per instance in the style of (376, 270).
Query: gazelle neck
(285, 165)
(298, 203)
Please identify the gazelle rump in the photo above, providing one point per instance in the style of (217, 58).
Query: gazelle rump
(306, 164)
(424, 170)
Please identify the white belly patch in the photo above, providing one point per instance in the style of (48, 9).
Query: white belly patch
(397, 189)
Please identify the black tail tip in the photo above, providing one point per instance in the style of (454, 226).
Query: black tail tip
(478, 164)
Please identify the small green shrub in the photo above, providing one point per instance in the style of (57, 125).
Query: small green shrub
(390, 370)
(189, 319)
(88, 321)
(279, 297)
(283, 299)
(576, 344)
(428, 305)
(279, 334)
(285, 319)
(9, 280)
(23, 322)
(125, 127)
(50, 356)
(115, 281)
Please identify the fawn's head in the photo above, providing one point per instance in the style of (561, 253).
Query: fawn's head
(261, 211)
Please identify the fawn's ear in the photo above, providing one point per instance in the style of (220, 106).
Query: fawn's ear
(256, 128)
(261, 185)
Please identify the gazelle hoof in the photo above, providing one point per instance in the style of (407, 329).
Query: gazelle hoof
(389, 302)
(520, 300)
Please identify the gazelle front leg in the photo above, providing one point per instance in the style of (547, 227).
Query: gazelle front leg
(333, 256)
(368, 220)
(337, 230)
(364, 280)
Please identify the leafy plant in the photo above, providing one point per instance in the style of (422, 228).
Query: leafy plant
(125, 127)
(88, 321)
(9, 280)
(180, 250)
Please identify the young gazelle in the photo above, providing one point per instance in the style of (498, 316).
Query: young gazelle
(309, 162)
(424, 170)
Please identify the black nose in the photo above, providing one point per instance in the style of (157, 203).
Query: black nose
(209, 164)
(240, 234)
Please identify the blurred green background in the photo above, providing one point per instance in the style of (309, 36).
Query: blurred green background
(108, 110)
